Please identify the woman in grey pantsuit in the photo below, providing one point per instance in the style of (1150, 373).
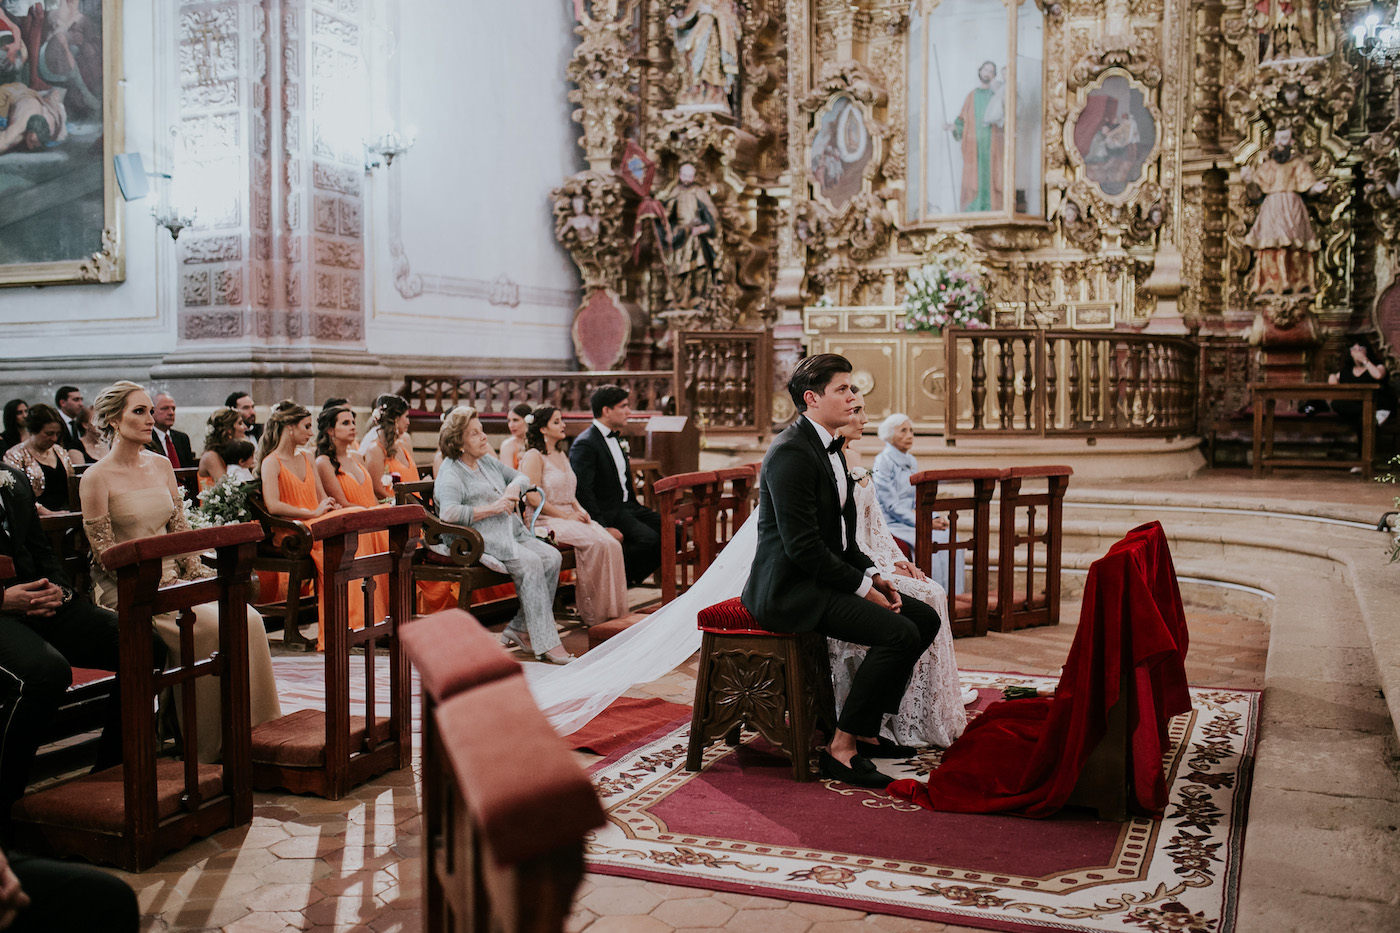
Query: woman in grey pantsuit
(474, 488)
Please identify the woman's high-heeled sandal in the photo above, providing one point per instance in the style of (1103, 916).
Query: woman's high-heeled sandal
(513, 642)
(554, 659)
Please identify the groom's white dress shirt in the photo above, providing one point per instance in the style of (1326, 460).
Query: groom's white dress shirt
(614, 448)
(843, 488)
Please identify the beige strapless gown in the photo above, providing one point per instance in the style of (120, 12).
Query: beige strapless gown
(602, 575)
(142, 513)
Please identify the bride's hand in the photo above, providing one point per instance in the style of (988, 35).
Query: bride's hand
(906, 569)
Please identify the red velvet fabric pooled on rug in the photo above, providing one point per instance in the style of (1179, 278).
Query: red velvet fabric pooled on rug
(1025, 756)
(627, 721)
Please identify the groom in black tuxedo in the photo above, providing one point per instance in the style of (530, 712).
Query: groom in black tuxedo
(809, 575)
(599, 459)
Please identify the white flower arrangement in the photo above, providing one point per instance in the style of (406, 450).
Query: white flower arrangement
(529, 419)
(224, 503)
(1393, 525)
(861, 475)
(944, 292)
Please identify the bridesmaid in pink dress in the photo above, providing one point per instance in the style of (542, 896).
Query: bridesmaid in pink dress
(602, 578)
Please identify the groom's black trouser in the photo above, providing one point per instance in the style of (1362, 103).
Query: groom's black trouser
(895, 639)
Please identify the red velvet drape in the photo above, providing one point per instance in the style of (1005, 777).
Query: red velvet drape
(1025, 756)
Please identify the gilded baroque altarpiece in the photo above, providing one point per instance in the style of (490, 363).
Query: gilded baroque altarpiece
(1107, 164)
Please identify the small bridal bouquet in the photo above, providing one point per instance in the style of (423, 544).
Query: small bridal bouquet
(944, 292)
(224, 503)
(860, 475)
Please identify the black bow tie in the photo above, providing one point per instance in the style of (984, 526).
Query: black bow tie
(608, 434)
(835, 445)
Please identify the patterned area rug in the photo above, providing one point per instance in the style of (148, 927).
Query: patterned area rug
(742, 824)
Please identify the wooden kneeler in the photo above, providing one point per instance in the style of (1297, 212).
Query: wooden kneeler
(311, 752)
(131, 814)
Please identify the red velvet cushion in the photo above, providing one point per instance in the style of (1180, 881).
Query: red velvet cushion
(298, 740)
(82, 676)
(97, 802)
(730, 618)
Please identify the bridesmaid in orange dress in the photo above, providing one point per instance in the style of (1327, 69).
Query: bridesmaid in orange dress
(291, 488)
(513, 447)
(345, 478)
(389, 455)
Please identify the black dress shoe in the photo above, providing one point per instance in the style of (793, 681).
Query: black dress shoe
(861, 772)
(884, 749)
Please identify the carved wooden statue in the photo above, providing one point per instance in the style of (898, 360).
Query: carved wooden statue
(706, 36)
(1282, 238)
(695, 240)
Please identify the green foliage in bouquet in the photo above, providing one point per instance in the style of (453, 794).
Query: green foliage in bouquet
(224, 503)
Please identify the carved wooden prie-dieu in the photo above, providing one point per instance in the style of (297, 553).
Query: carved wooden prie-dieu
(1117, 150)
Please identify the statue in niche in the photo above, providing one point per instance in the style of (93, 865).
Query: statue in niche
(1288, 29)
(584, 224)
(1282, 238)
(706, 37)
(980, 128)
(595, 11)
(693, 259)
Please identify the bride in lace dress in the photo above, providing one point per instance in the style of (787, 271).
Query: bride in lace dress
(932, 712)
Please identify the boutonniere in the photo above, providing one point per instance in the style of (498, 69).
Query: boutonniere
(626, 447)
(7, 479)
(861, 475)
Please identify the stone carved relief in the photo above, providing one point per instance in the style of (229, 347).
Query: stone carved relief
(212, 249)
(212, 325)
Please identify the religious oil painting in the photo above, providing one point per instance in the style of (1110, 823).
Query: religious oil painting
(975, 102)
(1114, 134)
(841, 150)
(59, 123)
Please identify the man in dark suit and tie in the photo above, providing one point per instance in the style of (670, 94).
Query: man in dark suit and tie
(599, 459)
(69, 400)
(242, 403)
(809, 575)
(165, 440)
(44, 628)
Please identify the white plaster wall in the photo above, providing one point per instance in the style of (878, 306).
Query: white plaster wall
(134, 317)
(482, 87)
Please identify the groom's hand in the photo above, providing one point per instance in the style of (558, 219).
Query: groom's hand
(883, 594)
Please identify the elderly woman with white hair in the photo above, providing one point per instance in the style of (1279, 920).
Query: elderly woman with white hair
(894, 465)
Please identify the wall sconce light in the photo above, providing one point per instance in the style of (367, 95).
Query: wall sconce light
(385, 149)
(173, 219)
(1379, 41)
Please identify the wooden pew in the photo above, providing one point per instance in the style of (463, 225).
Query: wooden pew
(505, 809)
(1020, 606)
(328, 753)
(131, 814)
(968, 610)
(686, 502)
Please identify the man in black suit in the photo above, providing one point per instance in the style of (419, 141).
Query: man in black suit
(165, 440)
(809, 575)
(242, 403)
(44, 628)
(69, 400)
(599, 459)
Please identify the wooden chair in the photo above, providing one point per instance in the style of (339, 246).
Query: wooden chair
(686, 503)
(1014, 607)
(969, 610)
(779, 683)
(286, 548)
(505, 811)
(328, 753)
(131, 814)
(737, 497)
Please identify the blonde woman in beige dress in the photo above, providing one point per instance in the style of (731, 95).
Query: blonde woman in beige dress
(602, 575)
(131, 493)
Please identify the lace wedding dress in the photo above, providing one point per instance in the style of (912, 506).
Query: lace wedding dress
(932, 712)
(571, 696)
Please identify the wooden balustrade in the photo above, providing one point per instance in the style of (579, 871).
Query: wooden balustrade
(1045, 383)
(652, 391)
(724, 380)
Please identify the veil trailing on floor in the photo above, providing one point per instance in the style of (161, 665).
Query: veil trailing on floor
(572, 695)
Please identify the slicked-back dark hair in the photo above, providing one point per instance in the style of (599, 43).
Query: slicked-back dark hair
(63, 392)
(607, 397)
(814, 373)
(233, 397)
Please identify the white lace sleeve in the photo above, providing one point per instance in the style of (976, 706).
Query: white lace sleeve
(872, 534)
